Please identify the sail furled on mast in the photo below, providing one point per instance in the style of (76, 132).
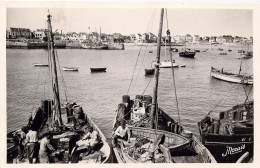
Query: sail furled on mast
(55, 85)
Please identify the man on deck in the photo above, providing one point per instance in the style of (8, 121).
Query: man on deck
(122, 132)
(90, 140)
(32, 145)
(45, 149)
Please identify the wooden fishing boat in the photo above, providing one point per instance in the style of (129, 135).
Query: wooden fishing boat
(98, 69)
(223, 53)
(230, 77)
(151, 129)
(168, 64)
(70, 69)
(41, 65)
(66, 125)
(231, 135)
(174, 148)
(187, 54)
(175, 50)
(149, 71)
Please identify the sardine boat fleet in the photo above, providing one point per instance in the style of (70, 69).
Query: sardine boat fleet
(142, 132)
(57, 130)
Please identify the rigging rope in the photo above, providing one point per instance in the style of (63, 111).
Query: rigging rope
(173, 75)
(149, 25)
(63, 81)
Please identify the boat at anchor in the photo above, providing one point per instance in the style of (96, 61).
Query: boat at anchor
(70, 68)
(230, 77)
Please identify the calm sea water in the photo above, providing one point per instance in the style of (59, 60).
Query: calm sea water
(100, 93)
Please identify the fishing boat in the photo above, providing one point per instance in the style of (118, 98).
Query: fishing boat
(65, 123)
(70, 68)
(186, 53)
(175, 50)
(231, 135)
(230, 77)
(95, 46)
(155, 136)
(149, 71)
(223, 53)
(41, 65)
(167, 63)
(98, 69)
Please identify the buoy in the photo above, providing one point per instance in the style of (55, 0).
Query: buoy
(148, 99)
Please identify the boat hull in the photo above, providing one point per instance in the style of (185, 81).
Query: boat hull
(233, 78)
(168, 64)
(70, 69)
(41, 65)
(187, 54)
(95, 47)
(98, 69)
(226, 150)
(149, 71)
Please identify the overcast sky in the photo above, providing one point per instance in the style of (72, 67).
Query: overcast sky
(126, 21)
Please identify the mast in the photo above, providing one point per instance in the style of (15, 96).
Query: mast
(240, 67)
(155, 89)
(57, 115)
(100, 34)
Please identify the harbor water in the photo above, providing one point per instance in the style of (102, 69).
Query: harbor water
(100, 93)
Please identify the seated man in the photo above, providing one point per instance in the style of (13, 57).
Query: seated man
(90, 140)
(122, 132)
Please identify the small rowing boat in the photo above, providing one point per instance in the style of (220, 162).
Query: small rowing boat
(70, 69)
(98, 69)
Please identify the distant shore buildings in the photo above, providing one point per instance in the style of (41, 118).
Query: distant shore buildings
(26, 34)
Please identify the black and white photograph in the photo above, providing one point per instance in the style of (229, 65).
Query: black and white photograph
(121, 84)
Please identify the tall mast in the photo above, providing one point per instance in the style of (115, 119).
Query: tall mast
(57, 115)
(100, 34)
(155, 89)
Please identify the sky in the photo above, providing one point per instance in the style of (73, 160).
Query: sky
(129, 20)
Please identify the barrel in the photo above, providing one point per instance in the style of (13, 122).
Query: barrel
(121, 111)
(148, 99)
(139, 97)
(126, 98)
(216, 124)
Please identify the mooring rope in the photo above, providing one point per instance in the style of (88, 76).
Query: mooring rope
(173, 75)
